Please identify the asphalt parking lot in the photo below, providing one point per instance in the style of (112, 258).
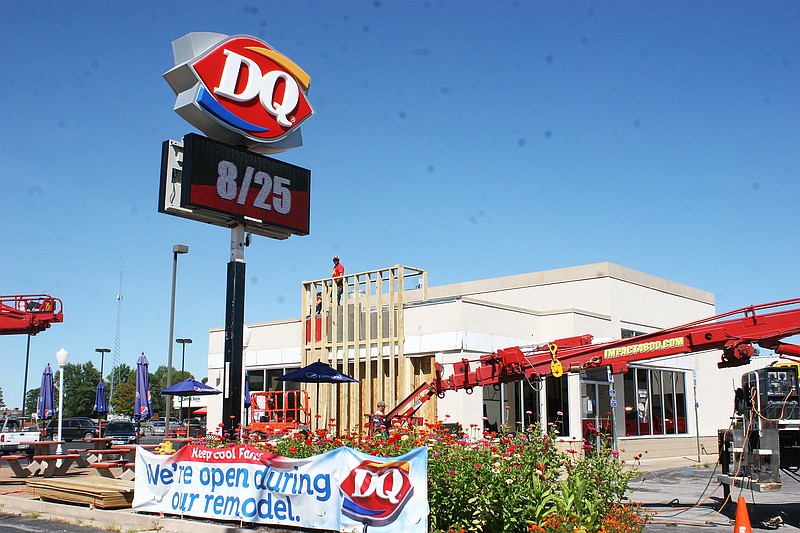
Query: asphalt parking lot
(688, 500)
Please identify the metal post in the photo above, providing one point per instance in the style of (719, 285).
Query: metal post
(234, 334)
(25, 383)
(61, 358)
(183, 343)
(102, 352)
(696, 415)
(176, 249)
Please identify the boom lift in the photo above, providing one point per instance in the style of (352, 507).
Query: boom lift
(767, 421)
(28, 313)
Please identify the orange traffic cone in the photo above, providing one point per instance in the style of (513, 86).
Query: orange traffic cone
(742, 524)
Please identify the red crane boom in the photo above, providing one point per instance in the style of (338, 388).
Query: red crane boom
(28, 313)
(765, 324)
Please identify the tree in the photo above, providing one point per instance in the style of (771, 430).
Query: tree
(158, 382)
(123, 399)
(124, 394)
(123, 373)
(80, 384)
(32, 400)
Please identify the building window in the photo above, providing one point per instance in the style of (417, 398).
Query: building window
(655, 402)
(267, 379)
(628, 333)
(255, 379)
(527, 406)
(558, 403)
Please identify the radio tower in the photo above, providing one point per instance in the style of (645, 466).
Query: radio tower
(116, 360)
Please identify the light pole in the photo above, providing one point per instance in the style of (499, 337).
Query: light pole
(183, 343)
(61, 358)
(102, 352)
(246, 334)
(25, 383)
(176, 250)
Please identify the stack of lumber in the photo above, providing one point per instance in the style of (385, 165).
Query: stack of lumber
(101, 493)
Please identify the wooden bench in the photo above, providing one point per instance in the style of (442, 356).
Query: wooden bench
(82, 461)
(109, 469)
(48, 465)
(99, 456)
(19, 469)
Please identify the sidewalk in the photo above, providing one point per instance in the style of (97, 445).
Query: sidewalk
(15, 499)
(670, 463)
(685, 496)
(683, 493)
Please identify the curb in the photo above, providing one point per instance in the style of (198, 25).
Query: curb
(116, 519)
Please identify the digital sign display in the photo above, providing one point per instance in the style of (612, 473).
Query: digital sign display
(223, 185)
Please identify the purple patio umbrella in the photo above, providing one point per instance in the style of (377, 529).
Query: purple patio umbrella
(143, 406)
(44, 406)
(100, 403)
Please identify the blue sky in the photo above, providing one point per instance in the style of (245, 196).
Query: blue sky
(470, 139)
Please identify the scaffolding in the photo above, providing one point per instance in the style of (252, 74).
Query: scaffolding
(362, 335)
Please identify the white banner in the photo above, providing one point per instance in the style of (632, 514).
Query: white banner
(343, 490)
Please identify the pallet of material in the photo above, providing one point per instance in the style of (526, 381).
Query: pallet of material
(96, 492)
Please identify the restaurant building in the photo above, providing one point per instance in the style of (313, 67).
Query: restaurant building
(391, 327)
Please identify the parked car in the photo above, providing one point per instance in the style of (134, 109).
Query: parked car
(13, 434)
(157, 428)
(192, 427)
(121, 431)
(71, 429)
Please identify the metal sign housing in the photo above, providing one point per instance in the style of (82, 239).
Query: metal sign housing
(211, 182)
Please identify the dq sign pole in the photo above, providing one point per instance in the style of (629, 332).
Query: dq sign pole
(250, 100)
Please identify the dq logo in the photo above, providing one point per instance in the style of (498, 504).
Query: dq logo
(241, 85)
(252, 88)
(375, 493)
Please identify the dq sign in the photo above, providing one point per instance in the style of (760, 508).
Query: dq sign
(374, 493)
(239, 91)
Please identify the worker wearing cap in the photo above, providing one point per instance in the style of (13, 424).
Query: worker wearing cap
(338, 278)
(378, 416)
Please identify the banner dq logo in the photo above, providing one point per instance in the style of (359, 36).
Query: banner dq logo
(375, 493)
(239, 84)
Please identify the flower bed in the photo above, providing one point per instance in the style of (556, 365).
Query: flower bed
(505, 482)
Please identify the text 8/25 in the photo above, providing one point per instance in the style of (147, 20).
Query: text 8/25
(276, 185)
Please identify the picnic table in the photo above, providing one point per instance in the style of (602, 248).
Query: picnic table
(42, 463)
(99, 443)
(122, 464)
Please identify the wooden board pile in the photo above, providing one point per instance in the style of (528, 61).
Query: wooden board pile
(101, 493)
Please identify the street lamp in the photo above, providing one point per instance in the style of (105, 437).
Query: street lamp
(61, 358)
(176, 250)
(102, 352)
(183, 342)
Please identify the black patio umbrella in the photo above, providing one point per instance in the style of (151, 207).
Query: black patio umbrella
(317, 372)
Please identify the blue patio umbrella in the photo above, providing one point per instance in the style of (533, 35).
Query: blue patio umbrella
(317, 372)
(44, 405)
(190, 387)
(143, 405)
